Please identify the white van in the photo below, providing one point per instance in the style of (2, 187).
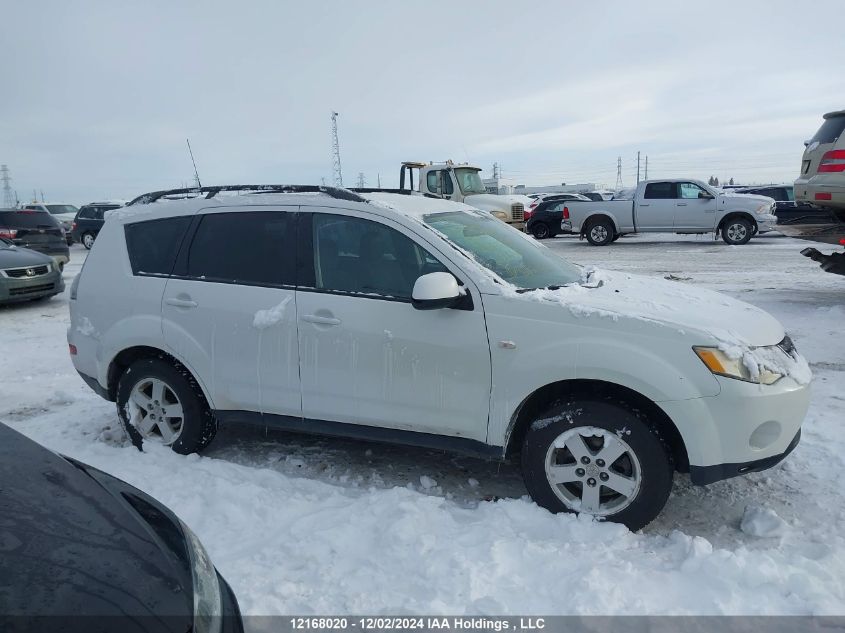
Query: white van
(407, 319)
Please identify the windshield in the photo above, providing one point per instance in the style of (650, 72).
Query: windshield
(469, 180)
(503, 250)
(56, 209)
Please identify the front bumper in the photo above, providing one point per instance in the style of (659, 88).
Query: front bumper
(703, 475)
(27, 288)
(745, 427)
(766, 222)
(518, 225)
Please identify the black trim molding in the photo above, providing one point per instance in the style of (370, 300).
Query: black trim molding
(462, 445)
(703, 475)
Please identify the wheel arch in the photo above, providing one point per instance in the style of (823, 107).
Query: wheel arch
(126, 357)
(731, 215)
(590, 220)
(546, 396)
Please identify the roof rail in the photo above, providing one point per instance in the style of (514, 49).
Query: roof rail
(404, 192)
(210, 192)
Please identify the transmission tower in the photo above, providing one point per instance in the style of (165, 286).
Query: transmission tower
(338, 174)
(361, 180)
(8, 195)
(618, 173)
(496, 171)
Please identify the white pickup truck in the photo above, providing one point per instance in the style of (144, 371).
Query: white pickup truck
(671, 206)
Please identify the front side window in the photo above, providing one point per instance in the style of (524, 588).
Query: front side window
(358, 256)
(689, 190)
(247, 248)
(660, 191)
(469, 180)
(86, 213)
(152, 245)
(503, 250)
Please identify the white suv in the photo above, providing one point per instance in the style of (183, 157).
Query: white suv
(407, 319)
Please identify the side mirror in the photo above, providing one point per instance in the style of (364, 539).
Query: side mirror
(704, 195)
(435, 291)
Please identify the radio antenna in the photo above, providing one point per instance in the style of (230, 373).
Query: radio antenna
(196, 173)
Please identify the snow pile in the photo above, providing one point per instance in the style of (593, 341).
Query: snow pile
(270, 317)
(762, 522)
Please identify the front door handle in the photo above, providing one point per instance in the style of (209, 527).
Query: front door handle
(682, 204)
(647, 204)
(320, 320)
(180, 303)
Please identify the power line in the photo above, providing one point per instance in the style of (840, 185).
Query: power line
(338, 174)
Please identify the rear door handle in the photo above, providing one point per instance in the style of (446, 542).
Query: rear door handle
(645, 205)
(320, 320)
(180, 303)
(682, 204)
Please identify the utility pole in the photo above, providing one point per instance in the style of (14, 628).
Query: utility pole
(646, 167)
(618, 173)
(8, 198)
(361, 181)
(338, 174)
(379, 180)
(638, 168)
(496, 172)
(323, 180)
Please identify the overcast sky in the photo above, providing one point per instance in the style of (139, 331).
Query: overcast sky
(97, 98)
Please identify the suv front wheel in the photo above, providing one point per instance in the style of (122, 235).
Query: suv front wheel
(599, 458)
(159, 402)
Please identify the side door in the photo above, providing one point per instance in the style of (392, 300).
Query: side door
(229, 308)
(656, 211)
(367, 355)
(692, 211)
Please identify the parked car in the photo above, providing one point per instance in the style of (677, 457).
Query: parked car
(26, 274)
(545, 221)
(37, 230)
(672, 206)
(822, 179)
(787, 210)
(550, 197)
(89, 221)
(64, 213)
(78, 542)
(409, 319)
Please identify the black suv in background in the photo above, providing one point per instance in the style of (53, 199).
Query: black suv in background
(89, 221)
(36, 230)
(788, 211)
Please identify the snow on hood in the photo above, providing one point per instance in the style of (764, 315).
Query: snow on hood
(618, 296)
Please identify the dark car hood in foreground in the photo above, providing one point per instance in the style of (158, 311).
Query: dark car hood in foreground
(16, 257)
(71, 547)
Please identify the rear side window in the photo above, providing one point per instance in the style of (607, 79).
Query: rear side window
(249, 248)
(660, 190)
(830, 130)
(86, 213)
(153, 244)
(27, 219)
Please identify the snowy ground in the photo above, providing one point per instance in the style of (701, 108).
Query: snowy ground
(306, 525)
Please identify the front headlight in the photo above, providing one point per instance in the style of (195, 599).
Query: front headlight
(207, 603)
(723, 365)
(501, 215)
(763, 208)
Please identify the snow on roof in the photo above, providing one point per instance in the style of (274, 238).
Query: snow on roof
(415, 206)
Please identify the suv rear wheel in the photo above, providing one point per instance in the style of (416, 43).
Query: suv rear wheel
(540, 230)
(159, 402)
(599, 458)
(88, 240)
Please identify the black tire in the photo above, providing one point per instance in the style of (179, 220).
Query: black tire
(737, 231)
(616, 237)
(600, 232)
(88, 239)
(540, 230)
(653, 460)
(198, 425)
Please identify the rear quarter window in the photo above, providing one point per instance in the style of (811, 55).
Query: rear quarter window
(153, 244)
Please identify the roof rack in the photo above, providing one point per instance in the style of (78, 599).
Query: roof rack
(404, 192)
(210, 192)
